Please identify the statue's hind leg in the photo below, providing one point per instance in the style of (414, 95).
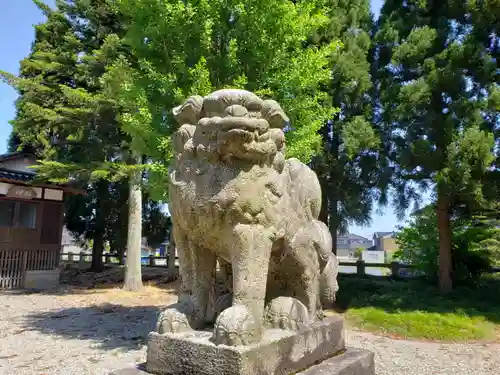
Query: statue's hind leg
(184, 252)
(204, 267)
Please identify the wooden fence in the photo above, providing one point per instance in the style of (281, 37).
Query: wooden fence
(15, 262)
(359, 267)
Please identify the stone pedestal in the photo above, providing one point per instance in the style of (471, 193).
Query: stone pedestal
(318, 349)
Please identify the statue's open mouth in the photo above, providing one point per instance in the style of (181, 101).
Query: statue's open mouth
(232, 124)
(251, 125)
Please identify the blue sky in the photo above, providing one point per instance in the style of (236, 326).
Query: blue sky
(16, 35)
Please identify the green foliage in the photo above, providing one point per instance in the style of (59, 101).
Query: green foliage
(436, 69)
(349, 167)
(80, 131)
(80, 218)
(358, 253)
(476, 244)
(191, 47)
(437, 74)
(413, 309)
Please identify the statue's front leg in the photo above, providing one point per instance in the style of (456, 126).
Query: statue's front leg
(196, 271)
(241, 324)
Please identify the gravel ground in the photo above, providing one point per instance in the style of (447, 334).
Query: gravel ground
(91, 333)
(403, 357)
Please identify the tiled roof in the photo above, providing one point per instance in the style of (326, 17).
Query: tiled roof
(27, 177)
(352, 237)
(14, 155)
(16, 175)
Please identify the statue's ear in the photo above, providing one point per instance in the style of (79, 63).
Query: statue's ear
(189, 112)
(274, 114)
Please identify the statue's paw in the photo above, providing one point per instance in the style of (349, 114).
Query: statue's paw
(175, 319)
(236, 326)
(286, 313)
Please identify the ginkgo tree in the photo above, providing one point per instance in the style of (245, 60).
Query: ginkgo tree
(181, 48)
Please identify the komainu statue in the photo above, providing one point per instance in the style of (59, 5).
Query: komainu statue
(234, 197)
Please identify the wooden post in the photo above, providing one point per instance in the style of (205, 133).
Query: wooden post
(361, 268)
(151, 260)
(71, 257)
(395, 269)
(81, 260)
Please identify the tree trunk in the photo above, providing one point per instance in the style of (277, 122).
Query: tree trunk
(333, 222)
(100, 227)
(133, 272)
(172, 270)
(323, 214)
(445, 243)
(123, 217)
(333, 189)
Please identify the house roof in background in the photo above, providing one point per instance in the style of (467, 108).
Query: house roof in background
(24, 177)
(15, 155)
(352, 236)
(382, 234)
(16, 176)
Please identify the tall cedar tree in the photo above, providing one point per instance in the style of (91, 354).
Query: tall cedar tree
(63, 110)
(439, 95)
(55, 117)
(51, 65)
(348, 167)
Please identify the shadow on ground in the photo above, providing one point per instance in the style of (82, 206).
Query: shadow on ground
(394, 296)
(111, 326)
(82, 281)
(116, 326)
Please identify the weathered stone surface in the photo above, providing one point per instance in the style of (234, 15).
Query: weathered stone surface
(234, 197)
(42, 280)
(130, 371)
(351, 362)
(278, 352)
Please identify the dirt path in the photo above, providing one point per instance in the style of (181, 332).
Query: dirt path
(91, 333)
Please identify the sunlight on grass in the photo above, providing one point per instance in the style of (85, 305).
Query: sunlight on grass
(422, 325)
(414, 309)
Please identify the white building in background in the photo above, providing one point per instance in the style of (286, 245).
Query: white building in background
(373, 256)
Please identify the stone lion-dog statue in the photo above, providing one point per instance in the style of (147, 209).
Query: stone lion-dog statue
(234, 197)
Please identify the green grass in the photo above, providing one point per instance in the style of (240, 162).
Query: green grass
(414, 308)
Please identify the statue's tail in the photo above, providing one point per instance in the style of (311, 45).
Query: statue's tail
(328, 265)
(328, 283)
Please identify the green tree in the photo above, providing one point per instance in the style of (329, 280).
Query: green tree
(475, 242)
(439, 99)
(59, 114)
(349, 166)
(188, 47)
(65, 113)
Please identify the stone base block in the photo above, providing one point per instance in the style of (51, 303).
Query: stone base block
(349, 362)
(279, 352)
(41, 280)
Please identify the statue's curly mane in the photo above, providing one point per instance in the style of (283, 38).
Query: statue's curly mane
(230, 126)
